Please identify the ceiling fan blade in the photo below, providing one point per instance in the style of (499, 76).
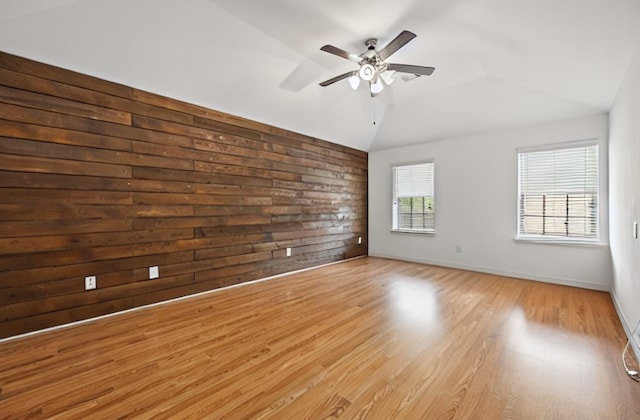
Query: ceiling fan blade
(341, 53)
(408, 68)
(398, 42)
(409, 77)
(338, 78)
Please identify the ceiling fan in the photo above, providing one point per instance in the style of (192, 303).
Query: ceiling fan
(373, 66)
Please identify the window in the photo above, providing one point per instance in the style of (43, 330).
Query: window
(413, 206)
(558, 193)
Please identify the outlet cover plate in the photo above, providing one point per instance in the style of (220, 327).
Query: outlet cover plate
(154, 272)
(288, 252)
(90, 283)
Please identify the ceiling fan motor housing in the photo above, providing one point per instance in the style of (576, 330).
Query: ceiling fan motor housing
(369, 67)
(371, 44)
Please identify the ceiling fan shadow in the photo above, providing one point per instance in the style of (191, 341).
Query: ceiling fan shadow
(302, 76)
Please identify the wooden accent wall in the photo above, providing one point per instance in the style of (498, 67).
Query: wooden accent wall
(98, 178)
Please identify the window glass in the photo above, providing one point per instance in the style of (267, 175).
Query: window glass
(413, 197)
(558, 193)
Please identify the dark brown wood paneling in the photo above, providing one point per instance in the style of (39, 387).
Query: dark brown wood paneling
(98, 178)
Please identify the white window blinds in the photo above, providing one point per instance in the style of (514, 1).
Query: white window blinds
(413, 197)
(558, 193)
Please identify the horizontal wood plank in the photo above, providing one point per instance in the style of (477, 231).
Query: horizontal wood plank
(34, 100)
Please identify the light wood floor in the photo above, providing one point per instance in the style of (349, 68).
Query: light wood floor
(367, 338)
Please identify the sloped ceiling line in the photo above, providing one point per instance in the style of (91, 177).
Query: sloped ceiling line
(499, 63)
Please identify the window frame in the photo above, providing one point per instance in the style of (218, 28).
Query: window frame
(561, 239)
(394, 205)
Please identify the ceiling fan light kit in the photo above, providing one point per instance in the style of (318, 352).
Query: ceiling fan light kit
(373, 66)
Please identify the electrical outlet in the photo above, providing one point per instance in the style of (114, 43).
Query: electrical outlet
(90, 282)
(459, 249)
(359, 240)
(288, 252)
(154, 272)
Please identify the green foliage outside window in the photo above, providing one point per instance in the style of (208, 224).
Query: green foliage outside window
(416, 213)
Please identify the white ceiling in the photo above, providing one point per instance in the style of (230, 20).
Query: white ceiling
(499, 64)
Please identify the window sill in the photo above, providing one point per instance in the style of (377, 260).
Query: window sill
(564, 242)
(415, 232)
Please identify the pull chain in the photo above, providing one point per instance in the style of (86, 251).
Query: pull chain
(374, 110)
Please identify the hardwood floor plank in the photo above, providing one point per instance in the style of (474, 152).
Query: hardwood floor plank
(365, 338)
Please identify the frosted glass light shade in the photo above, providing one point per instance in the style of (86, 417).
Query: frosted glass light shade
(354, 81)
(376, 87)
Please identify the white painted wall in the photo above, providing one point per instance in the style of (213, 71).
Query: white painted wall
(624, 185)
(476, 205)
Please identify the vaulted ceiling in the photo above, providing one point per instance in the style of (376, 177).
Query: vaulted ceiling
(499, 64)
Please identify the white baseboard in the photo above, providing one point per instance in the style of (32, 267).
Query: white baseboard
(500, 272)
(628, 329)
(137, 308)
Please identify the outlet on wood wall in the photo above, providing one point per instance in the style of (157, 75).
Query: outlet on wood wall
(100, 179)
